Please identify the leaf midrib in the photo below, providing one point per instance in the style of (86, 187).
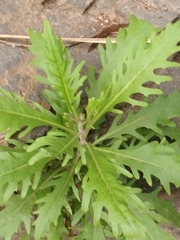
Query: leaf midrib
(41, 120)
(105, 108)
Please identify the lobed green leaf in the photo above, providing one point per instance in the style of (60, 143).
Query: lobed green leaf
(16, 210)
(156, 117)
(54, 59)
(15, 171)
(132, 66)
(163, 207)
(111, 195)
(51, 206)
(152, 159)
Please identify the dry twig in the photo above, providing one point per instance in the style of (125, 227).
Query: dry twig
(12, 44)
(80, 40)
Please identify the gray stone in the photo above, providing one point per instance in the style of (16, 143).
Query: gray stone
(159, 14)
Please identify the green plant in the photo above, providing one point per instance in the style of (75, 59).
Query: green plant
(76, 182)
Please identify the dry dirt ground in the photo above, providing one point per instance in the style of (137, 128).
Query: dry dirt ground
(68, 20)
